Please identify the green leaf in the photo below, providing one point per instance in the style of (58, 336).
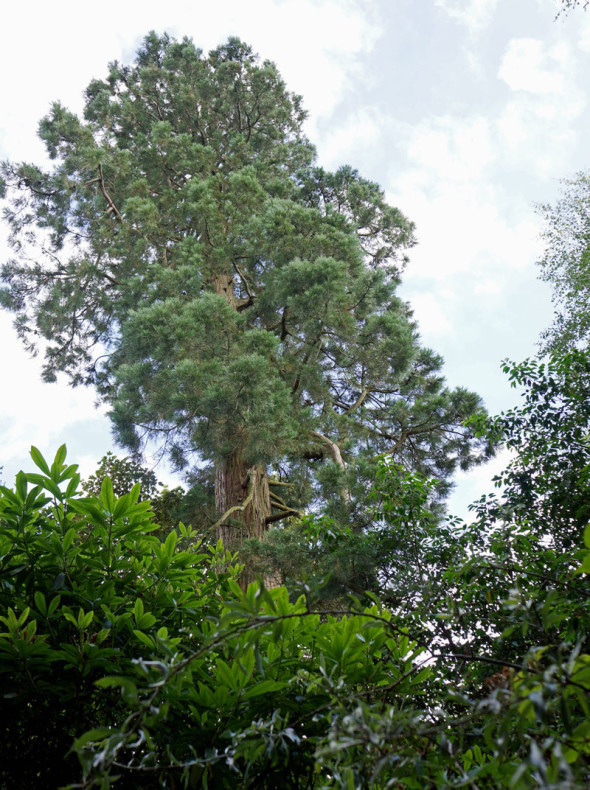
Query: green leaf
(107, 497)
(138, 609)
(57, 465)
(40, 603)
(122, 505)
(72, 486)
(39, 461)
(264, 687)
(145, 638)
(69, 538)
(92, 736)
(68, 472)
(170, 544)
(54, 603)
(88, 507)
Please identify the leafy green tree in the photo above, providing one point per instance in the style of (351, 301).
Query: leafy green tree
(227, 297)
(123, 473)
(547, 483)
(566, 265)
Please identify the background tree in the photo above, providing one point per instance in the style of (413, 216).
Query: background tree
(223, 294)
(170, 506)
(566, 265)
(123, 473)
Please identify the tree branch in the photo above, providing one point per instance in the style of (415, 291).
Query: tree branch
(334, 449)
(107, 197)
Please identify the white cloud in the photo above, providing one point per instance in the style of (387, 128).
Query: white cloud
(32, 412)
(363, 130)
(527, 66)
(537, 126)
(473, 484)
(474, 14)
(430, 314)
(465, 221)
(452, 149)
(584, 34)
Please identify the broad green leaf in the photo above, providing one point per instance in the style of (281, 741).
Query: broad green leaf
(57, 465)
(39, 461)
(145, 638)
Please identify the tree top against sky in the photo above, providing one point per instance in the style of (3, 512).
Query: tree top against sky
(225, 295)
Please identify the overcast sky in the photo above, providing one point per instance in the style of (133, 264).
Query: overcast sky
(467, 112)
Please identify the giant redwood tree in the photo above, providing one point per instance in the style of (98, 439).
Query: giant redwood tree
(185, 255)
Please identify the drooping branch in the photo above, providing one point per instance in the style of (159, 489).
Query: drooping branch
(283, 514)
(357, 404)
(284, 510)
(249, 300)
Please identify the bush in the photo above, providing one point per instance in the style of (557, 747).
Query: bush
(132, 659)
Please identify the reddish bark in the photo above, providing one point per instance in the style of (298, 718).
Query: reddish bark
(236, 485)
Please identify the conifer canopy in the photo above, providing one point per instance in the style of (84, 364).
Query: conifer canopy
(225, 295)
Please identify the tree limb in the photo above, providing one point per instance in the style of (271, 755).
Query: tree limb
(333, 447)
(282, 514)
(107, 197)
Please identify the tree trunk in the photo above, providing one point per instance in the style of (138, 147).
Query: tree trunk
(246, 489)
(241, 491)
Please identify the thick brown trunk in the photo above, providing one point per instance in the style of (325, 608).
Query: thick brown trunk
(242, 492)
(236, 485)
(224, 286)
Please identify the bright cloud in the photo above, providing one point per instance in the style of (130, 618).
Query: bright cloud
(537, 126)
(432, 312)
(452, 149)
(363, 130)
(528, 66)
(474, 14)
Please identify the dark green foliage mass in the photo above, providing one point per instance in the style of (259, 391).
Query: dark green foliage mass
(227, 297)
(131, 661)
(85, 588)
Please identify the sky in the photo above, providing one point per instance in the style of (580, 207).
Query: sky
(467, 112)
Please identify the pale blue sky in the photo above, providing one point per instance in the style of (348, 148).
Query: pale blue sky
(465, 111)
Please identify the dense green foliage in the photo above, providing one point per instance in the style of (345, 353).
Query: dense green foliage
(169, 505)
(165, 673)
(227, 297)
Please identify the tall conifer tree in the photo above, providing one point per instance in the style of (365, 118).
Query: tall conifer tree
(225, 295)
